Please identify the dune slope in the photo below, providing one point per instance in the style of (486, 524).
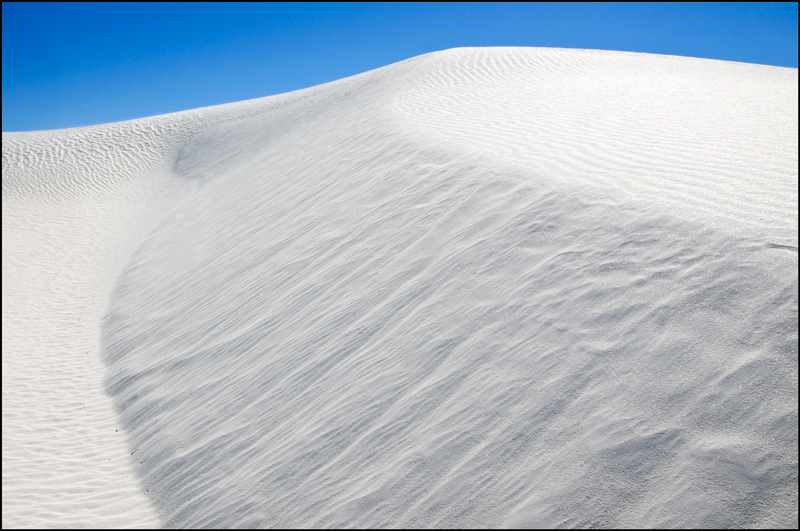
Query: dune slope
(481, 287)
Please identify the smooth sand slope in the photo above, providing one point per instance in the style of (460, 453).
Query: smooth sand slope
(480, 287)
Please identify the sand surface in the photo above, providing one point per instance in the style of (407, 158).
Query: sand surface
(484, 287)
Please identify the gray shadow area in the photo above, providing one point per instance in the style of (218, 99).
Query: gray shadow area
(412, 338)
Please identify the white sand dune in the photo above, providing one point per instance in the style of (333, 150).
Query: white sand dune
(478, 288)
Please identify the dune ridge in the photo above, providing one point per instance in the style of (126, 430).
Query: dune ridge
(480, 287)
(691, 116)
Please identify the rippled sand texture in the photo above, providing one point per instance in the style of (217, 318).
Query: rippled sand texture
(478, 288)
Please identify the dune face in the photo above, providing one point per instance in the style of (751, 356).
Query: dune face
(501, 287)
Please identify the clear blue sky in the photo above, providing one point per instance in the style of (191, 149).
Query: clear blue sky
(74, 64)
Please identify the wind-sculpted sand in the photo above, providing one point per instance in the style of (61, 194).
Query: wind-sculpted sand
(478, 288)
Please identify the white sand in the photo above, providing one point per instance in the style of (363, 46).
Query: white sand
(481, 287)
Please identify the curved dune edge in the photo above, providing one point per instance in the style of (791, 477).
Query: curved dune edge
(709, 140)
(413, 297)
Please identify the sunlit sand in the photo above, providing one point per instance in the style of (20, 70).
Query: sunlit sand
(484, 287)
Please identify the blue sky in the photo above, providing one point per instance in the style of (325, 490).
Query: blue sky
(75, 64)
